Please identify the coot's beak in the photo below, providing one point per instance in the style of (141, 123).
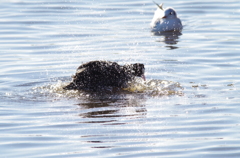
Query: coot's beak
(143, 77)
(163, 17)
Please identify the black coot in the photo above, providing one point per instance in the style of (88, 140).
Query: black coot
(100, 74)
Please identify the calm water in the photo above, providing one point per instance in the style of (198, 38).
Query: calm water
(43, 42)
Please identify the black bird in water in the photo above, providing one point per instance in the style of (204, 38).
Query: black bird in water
(100, 74)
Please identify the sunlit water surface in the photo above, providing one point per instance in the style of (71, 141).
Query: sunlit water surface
(188, 107)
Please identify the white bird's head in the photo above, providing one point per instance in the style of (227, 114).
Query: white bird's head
(169, 13)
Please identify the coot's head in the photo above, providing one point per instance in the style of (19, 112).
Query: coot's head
(139, 70)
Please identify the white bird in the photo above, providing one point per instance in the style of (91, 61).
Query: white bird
(165, 20)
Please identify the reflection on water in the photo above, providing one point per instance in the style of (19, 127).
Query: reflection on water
(130, 106)
(170, 38)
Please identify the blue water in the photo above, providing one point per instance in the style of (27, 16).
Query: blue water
(42, 43)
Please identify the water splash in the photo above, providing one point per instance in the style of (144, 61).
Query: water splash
(155, 87)
(56, 90)
(150, 87)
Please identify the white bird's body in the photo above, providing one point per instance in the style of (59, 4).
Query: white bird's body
(165, 20)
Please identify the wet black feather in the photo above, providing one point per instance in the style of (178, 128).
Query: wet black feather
(100, 74)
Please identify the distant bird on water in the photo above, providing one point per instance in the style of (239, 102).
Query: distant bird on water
(165, 20)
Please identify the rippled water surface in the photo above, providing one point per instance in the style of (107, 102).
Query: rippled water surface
(188, 107)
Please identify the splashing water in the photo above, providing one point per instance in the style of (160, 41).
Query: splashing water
(149, 87)
(56, 90)
(155, 87)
